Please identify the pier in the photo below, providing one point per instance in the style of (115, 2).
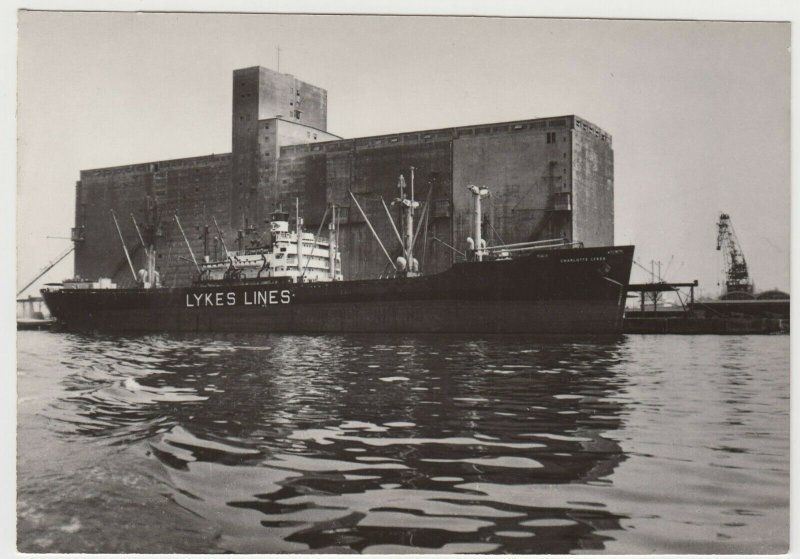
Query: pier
(33, 314)
(748, 316)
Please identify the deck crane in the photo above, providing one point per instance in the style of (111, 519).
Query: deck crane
(737, 278)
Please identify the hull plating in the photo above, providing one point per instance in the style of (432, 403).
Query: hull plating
(574, 291)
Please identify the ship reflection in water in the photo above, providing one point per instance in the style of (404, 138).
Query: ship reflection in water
(390, 444)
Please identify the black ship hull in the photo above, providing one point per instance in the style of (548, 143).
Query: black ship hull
(563, 292)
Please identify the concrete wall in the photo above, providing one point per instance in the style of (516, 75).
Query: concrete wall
(275, 192)
(260, 97)
(196, 188)
(593, 185)
(245, 134)
(523, 167)
(274, 94)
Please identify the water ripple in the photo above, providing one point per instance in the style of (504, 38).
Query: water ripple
(381, 444)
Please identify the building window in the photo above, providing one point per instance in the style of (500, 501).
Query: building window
(551, 137)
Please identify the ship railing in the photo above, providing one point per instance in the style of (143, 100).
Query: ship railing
(293, 234)
(252, 251)
(529, 243)
(522, 247)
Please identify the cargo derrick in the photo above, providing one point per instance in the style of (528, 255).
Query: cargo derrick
(737, 277)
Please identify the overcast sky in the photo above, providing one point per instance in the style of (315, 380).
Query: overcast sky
(698, 111)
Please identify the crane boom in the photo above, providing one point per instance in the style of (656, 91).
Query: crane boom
(737, 276)
(47, 268)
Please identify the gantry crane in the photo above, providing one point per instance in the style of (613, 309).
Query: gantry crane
(737, 278)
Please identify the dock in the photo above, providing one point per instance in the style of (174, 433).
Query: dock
(32, 314)
(748, 316)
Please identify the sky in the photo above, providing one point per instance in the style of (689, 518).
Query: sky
(699, 112)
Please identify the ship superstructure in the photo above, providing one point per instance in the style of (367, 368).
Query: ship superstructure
(295, 256)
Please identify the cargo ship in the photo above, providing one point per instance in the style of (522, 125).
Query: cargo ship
(294, 284)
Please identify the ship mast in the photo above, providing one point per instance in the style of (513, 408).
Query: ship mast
(332, 246)
(146, 253)
(409, 221)
(478, 192)
(149, 277)
(407, 207)
(299, 234)
(152, 232)
(204, 237)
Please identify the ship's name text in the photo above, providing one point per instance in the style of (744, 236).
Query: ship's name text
(583, 259)
(259, 297)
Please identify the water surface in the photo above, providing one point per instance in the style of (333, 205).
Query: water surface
(402, 444)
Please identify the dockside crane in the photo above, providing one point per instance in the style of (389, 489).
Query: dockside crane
(737, 277)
